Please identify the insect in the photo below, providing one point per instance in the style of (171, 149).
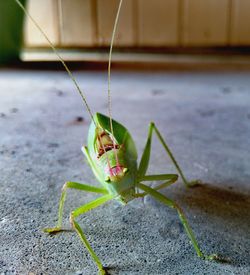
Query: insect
(112, 156)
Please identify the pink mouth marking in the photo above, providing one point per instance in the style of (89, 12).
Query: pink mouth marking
(117, 170)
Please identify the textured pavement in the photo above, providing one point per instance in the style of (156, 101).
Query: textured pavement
(205, 118)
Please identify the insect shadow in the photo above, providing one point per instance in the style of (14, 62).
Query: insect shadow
(224, 210)
(226, 204)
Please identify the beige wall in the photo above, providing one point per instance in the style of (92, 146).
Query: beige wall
(154, 23)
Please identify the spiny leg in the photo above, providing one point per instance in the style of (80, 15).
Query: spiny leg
(146, 156)
(73, 185)
(158, 196)
(81, 210)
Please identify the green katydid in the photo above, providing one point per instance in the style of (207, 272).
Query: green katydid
(112, 155)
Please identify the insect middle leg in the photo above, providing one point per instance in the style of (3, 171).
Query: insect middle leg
(160, 197)
(146, 156)
(73, 185)
(167, 178)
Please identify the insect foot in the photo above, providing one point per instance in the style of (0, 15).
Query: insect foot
(53, 230)
(194, 183)
(103, 271)
(217, 258)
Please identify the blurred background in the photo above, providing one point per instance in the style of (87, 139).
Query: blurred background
(81, 29)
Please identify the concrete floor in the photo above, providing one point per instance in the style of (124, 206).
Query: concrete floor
(205, 117)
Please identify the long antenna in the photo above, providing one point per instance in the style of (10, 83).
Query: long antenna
(109, 69)
(60, 58)
(68, 71)
(109, 66)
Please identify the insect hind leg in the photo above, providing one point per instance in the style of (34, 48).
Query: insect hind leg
(168, 202)
(146, 156)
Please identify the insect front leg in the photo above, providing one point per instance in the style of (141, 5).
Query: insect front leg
(81, 210)
(160, 197)
(73, 185)
(146, 156)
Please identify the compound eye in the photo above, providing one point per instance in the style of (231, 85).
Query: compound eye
(107, 179)
(125, 170)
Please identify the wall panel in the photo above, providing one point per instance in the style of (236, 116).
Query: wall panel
(240, 22)
(106, 12)
(77, 23)
(205, 22)
(158, 22)
(46, 15)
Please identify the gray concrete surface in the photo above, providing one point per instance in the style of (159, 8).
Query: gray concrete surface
(205, 117)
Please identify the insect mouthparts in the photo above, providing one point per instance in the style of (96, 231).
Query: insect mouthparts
(116, 173)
